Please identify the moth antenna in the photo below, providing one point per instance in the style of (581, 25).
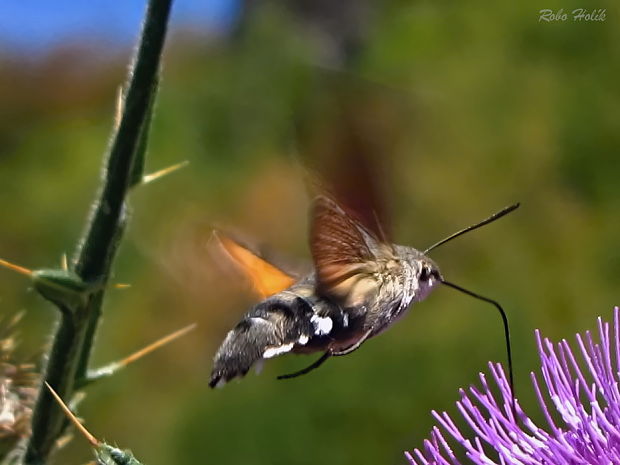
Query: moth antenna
(490, 219)
(506, 335)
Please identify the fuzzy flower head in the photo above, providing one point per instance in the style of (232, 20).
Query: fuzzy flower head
(578, 396)
(17, 392)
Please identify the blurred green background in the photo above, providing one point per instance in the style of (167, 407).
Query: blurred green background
(464, 108)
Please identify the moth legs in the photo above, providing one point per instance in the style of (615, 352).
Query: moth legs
(309, 368)
(353, 347)
(329, 353)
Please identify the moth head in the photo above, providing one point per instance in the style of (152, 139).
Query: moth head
(428, 277)
(428, 271)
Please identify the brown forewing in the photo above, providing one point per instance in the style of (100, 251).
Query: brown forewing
(345, 254)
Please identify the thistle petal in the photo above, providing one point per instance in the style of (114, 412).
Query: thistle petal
(585, 395)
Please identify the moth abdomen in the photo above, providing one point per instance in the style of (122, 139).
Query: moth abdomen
(273, 327)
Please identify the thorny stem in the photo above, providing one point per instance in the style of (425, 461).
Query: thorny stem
(113, 368)
(74, 334)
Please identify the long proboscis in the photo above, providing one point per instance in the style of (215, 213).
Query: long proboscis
(490, 219)
(506, 335)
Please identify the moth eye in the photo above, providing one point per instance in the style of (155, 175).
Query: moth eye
(425, 273)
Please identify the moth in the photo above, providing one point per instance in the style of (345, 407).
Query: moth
(360, 286)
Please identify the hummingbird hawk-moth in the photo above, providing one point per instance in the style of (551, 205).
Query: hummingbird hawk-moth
(361, 284)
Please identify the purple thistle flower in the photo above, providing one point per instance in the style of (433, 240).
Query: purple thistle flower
(585, 430)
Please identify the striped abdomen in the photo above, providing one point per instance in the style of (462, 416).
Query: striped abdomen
(295, 320)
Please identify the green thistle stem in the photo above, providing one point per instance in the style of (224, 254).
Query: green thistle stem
(79, 294)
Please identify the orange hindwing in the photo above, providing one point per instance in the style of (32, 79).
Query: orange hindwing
(266, 278)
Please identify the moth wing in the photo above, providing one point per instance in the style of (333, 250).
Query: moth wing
(265, 277)
(346, 255)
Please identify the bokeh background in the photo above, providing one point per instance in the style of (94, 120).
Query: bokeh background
(455, 110)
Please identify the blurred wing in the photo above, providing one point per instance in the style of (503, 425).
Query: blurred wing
(266, 279)
(346, 255)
